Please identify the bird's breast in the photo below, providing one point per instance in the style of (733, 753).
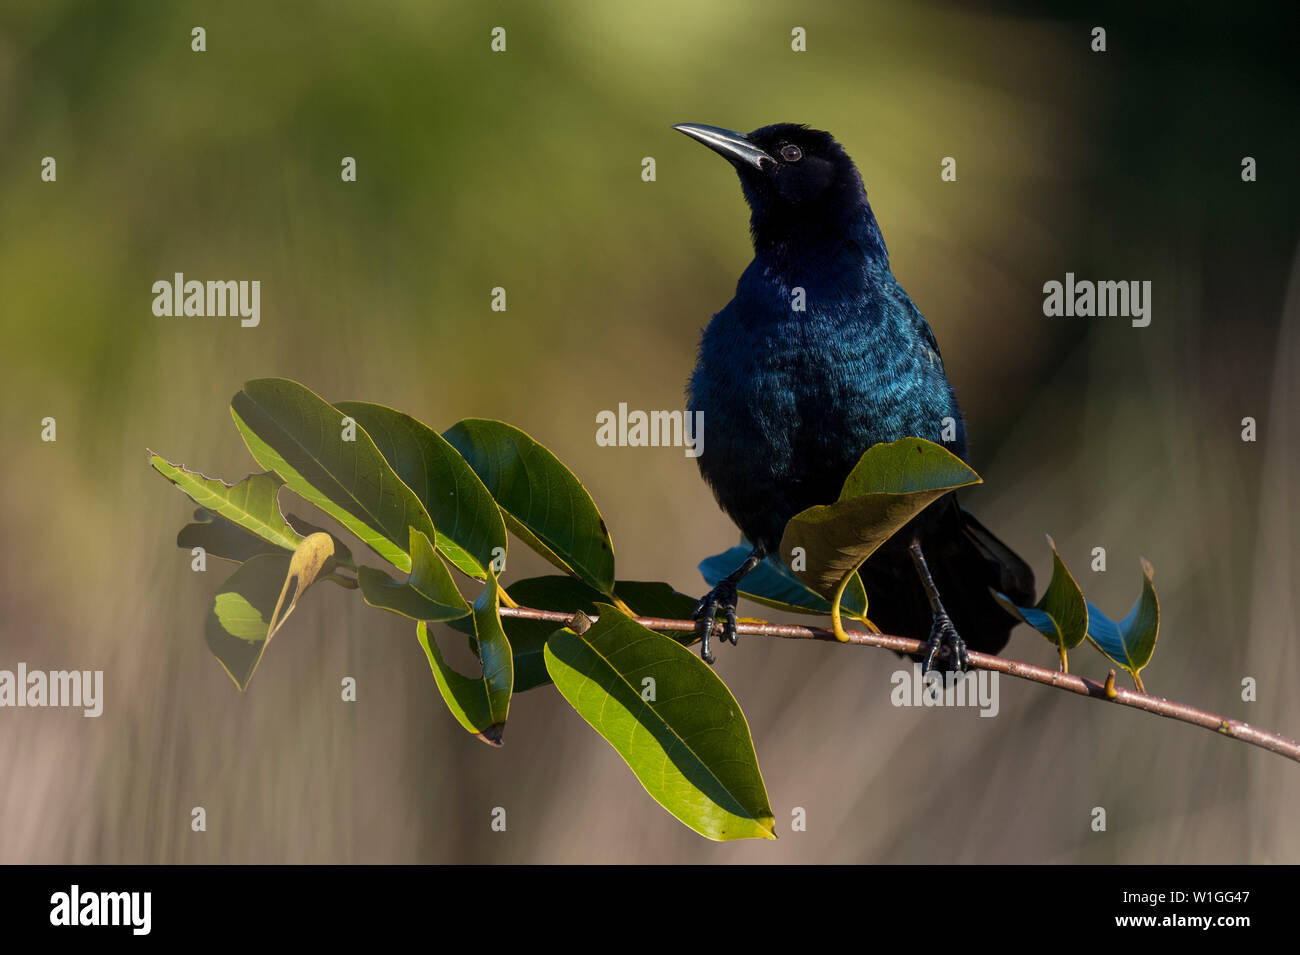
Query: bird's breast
(792, 398)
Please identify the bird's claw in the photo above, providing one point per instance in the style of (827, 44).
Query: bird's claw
(943, 635)
(723, 597)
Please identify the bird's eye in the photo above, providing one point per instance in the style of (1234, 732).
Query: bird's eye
(791, 153)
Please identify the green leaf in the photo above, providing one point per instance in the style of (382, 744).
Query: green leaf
(1131, 642)
(223, 539)
(1061, 614)
(774, 585)
(544, 505)
(569, 595)
(241, 615)
(297, 434)
(651, 598)
(470, 529)
(251, 503)
(428, 594)
(688, 744)
(890, 485)
(480, 705)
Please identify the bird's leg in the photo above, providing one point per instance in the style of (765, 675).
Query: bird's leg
(942, 632)
(724, 596)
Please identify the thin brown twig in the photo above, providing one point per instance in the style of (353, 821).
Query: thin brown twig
(1107, 691)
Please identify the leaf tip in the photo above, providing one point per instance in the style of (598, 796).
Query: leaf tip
(1007, 604)
(492, 735)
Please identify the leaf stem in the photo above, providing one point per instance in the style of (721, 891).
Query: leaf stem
(837, 623)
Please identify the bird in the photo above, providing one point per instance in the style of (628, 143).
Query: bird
(820, 355)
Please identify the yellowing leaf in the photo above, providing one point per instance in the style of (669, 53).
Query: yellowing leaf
(304, 565)
(890, 485)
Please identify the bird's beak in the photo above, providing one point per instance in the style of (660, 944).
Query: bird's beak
(727, 143)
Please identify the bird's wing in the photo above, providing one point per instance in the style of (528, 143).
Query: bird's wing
(924, 333)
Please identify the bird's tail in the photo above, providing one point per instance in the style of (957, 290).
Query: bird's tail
(965, 560)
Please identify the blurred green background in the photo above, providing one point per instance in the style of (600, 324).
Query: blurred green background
(522, 170)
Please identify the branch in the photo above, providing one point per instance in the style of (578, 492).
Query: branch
(1235, 729)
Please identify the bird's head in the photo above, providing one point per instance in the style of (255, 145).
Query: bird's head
(801, 186)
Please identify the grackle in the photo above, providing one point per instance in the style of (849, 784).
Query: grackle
(792, 397)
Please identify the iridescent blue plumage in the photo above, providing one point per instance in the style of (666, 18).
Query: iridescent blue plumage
(821, 354)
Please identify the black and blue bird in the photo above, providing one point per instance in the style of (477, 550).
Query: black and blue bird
(820, 355)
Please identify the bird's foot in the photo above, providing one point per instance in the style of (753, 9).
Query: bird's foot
(723, 597)
(943, 635)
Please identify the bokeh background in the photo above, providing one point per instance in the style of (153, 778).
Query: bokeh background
(522, 170)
